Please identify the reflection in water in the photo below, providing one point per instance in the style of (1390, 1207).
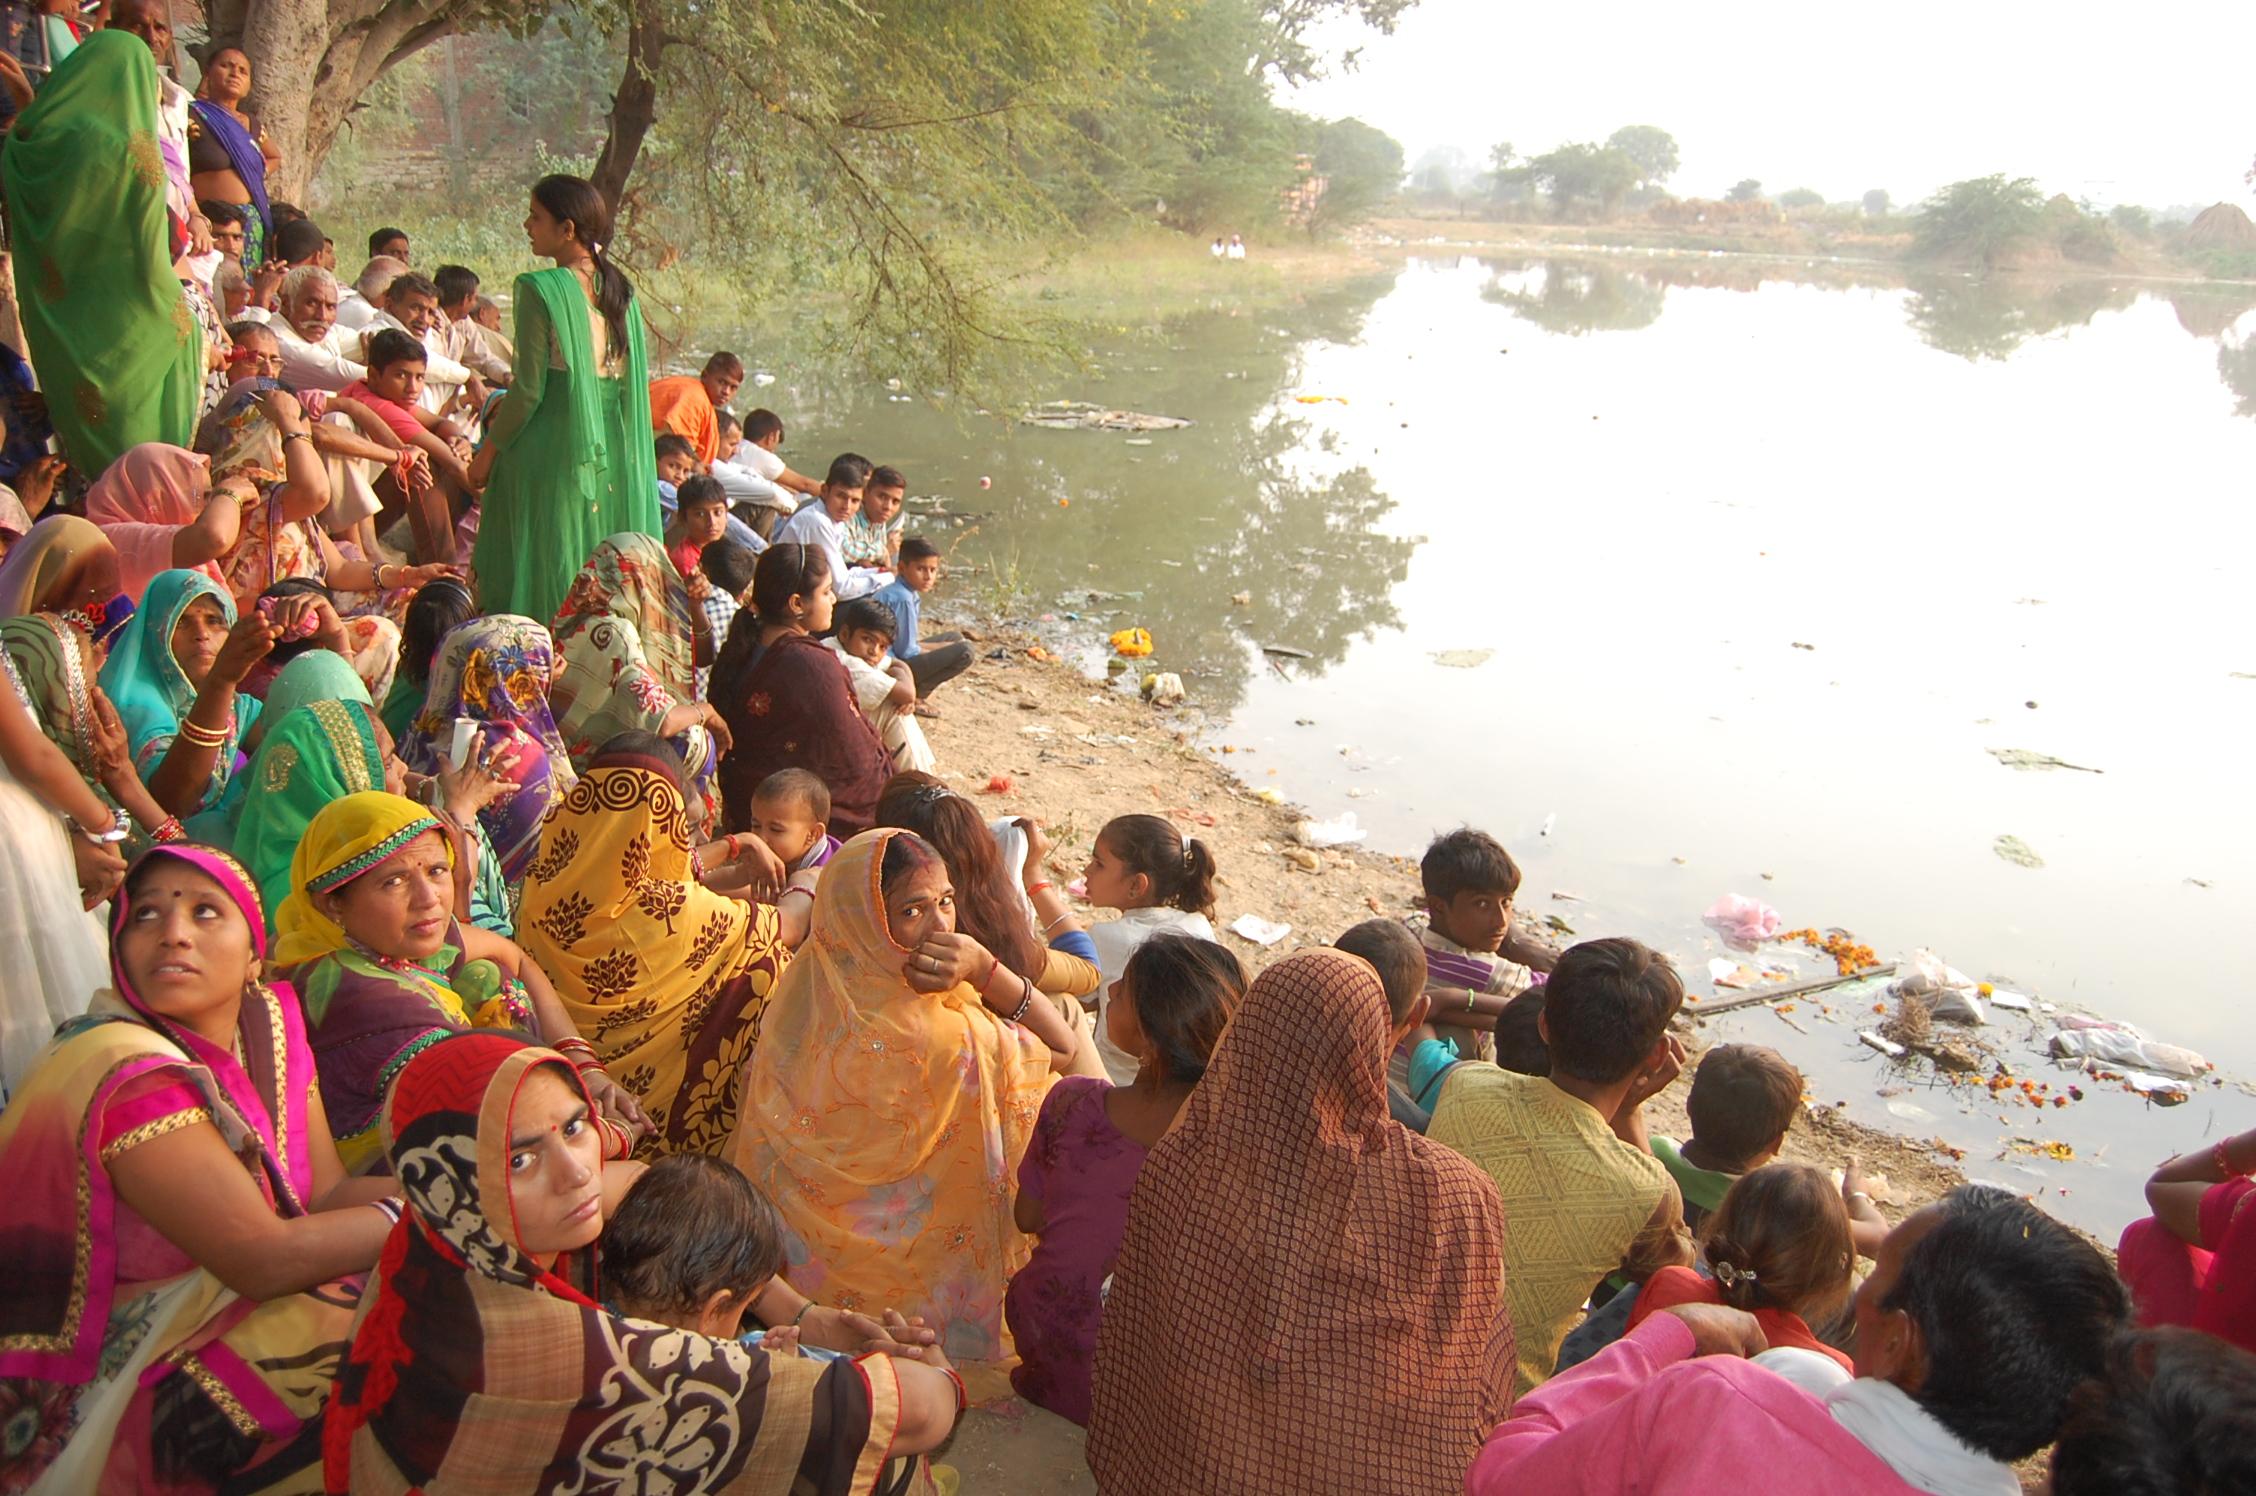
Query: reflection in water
(1989, 318)
(1179, 522)
(2236, 366)
(1579, 296)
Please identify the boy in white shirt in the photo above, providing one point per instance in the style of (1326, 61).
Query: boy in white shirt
(883, 687)
(738, 465)
(823, 525)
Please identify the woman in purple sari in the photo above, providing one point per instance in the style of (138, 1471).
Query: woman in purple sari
(495, 671)
(228, 154)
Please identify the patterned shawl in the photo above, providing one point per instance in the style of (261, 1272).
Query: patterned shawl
(152, 693)
(474, 1369)
(369, 1013)
(495, 671)
(664, 976)
(1287, 1211)
(37, 564)
(887, 1124)
(47, 654)
(312, 755)
(55, 1235)
(624, 632)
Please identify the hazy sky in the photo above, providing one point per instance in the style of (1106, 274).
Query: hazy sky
(2148, 106)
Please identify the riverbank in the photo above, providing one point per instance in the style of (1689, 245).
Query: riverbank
(1028, 734)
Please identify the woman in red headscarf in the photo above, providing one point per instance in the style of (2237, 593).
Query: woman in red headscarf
(484, 1362)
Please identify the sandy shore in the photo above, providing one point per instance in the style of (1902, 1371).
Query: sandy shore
(1026, 734)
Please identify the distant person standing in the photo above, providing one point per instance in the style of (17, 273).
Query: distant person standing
(568, 460)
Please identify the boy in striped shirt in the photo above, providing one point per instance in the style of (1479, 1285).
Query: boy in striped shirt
(1476, 964)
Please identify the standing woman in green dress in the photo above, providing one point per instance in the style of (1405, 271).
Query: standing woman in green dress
(105, 322)
(568, 459)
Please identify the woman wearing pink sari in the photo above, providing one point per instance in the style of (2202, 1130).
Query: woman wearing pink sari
(182, 1244)
(161, 510)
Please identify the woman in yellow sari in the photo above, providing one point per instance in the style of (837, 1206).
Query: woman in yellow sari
(369, 937)
(662, 969)
(891, 1097)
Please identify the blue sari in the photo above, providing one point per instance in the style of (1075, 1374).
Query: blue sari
(250, 164)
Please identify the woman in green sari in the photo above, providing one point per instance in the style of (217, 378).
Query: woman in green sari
(313, 755)
(105, 321)
(568, 458)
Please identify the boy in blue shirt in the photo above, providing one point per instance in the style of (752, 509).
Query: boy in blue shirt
(930, 666)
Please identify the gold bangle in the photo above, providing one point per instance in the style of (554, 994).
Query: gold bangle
(199, 736)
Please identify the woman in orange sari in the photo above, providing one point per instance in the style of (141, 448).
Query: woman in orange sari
(894, 1088)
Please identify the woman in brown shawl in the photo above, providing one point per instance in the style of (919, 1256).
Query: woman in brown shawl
(1309, 1296)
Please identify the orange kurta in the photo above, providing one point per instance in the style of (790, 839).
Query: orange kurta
(680, 405)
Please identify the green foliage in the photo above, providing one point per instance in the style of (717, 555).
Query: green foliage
(1982, 219)
(1651, 147)
(1580, 172)
(1876, 203)
(2089, 240)
(2132, 220)
(1362, 166)
(1801, 197)
(1746, 190)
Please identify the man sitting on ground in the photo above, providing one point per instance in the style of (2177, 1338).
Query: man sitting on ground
(1568, 1151)
(465, 340)
(686, 404)
(364, 302)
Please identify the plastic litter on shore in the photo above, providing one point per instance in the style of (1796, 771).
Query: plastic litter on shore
(1340, 831)
(1258, 930)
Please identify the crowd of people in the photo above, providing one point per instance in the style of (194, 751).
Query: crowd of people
(499, 998)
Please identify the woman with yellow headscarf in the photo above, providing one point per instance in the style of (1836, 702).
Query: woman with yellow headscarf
(368, 937)
(664, 971)
(892, 1095)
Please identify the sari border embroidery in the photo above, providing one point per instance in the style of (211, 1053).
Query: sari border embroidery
(338, 876)
(149, 1131)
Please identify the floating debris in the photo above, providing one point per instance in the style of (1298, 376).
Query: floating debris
(2026, 761)
(1080, 415)
(1463, 659)
(2016, 851)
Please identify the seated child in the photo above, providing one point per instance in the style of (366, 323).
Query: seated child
(695, 1245)
(1400, 961)
(1743, 1101)
(1159, 879)
(873, 532)
(677, 464)
(700, 518)
(1777, 1246)
(1168, 1009)
(791, 813)
(391, 389)
(934, 659)
(727, 568)
(883, 687)
(1469, 884)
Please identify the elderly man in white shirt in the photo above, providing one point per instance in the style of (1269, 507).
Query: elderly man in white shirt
(822, 524)
(314, 347)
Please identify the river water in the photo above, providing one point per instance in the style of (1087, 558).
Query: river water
(1766, 564)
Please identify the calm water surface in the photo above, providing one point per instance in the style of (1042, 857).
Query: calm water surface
(1998, 520)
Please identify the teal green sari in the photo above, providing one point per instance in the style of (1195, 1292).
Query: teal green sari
(312, 755)
(574, 461)
(152, 693)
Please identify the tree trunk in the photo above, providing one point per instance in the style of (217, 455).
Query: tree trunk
(311, 60)
(634, 108)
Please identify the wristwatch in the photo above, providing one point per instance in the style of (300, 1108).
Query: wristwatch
(118, 830)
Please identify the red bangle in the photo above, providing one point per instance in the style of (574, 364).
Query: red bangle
(2224, 1160)
(1037, 888)
(992, 967)
(169, 830)
(963, 1396)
